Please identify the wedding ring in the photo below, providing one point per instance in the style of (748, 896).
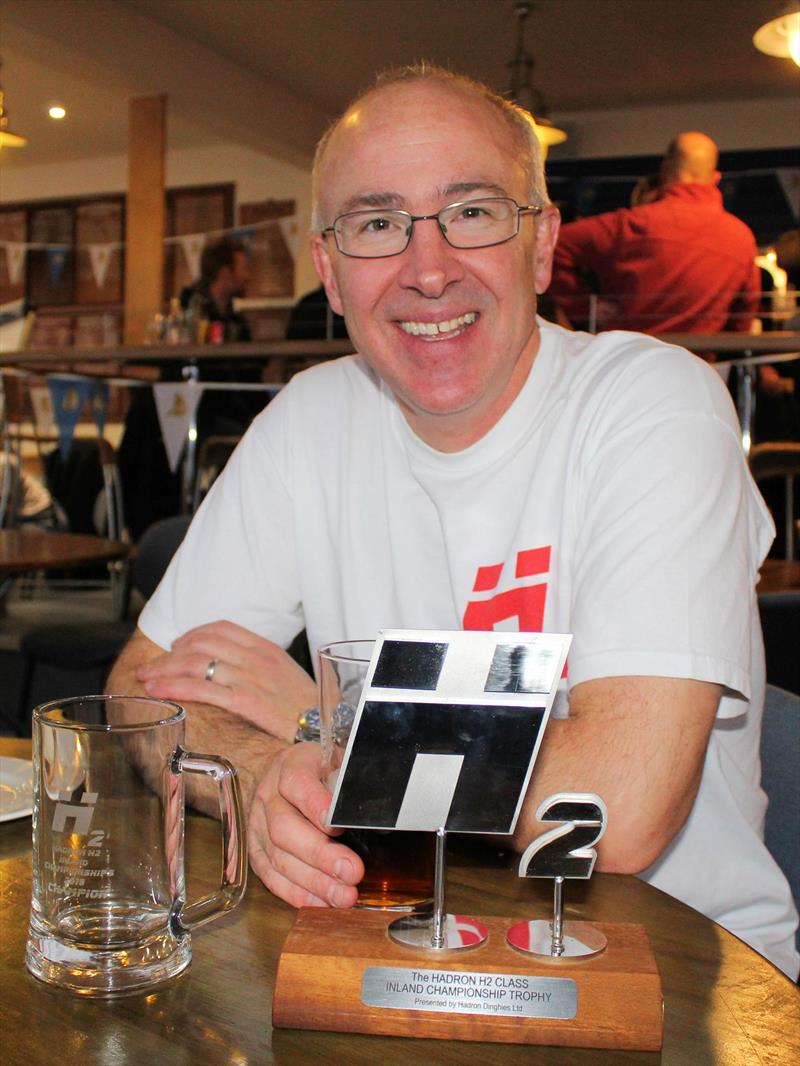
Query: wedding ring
(211, 669)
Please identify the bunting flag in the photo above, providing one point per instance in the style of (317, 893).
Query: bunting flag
(176, 406)
(68, 395)
(100, 258)
(245, 234)
(56, 257)
(288, 228)
(15, 261)
(42, 406)
(192, 244)
(98, 404)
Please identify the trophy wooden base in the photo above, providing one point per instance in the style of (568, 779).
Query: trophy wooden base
(333, 961)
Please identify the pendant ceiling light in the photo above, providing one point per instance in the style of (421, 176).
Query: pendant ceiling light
(523, 93)
(7, 138)
(781, 36)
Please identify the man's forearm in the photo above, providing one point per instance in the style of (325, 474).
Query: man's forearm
(208, 729)
(640, 744)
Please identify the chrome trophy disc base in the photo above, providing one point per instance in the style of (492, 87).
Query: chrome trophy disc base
(578, 939)
(457, 932)
(437, 930)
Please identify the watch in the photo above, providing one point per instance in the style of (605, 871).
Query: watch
(307, 726)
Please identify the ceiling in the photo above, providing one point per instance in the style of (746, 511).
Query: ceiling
(270, 74)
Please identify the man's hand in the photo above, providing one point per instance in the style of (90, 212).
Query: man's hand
(289, 844)
(771, 382)
(253, 677)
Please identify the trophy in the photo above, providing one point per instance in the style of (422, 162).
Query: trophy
(564, 852)
(445, 738)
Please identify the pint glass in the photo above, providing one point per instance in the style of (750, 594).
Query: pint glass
(399, 865)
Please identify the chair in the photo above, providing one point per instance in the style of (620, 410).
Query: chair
(81, 654)
(781, 459)
(86, 494)
(780, 624)
(780, 779)
(214, 453)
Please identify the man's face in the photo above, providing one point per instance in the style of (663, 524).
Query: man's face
(419, 147)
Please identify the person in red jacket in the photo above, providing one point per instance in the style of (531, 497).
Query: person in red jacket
(679, 264)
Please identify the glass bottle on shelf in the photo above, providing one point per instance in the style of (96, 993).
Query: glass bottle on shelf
(195, 320)
(174, 330)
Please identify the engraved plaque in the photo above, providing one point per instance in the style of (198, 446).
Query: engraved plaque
(469, 992)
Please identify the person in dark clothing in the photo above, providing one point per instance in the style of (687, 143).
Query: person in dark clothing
(224, 273)
(312, 318)
(150, 489)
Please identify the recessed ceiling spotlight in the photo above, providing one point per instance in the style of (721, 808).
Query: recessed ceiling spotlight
(56, 111)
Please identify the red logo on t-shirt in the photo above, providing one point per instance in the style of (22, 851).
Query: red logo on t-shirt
(525, 602)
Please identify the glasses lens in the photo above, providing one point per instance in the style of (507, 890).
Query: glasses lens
(372, 233)
(476, 223)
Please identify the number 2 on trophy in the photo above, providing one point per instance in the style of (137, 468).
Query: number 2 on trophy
(567, 850)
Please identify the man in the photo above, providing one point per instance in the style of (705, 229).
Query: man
(224, 274)
(680, 263)
(476, 467)
(151, 490)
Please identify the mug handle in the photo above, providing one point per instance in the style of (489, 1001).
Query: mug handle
(234, 846)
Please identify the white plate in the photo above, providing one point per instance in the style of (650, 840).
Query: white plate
(16, 788)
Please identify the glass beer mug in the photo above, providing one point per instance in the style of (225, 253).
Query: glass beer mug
(108, 912)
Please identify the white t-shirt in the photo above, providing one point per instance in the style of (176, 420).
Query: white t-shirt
(611, 501)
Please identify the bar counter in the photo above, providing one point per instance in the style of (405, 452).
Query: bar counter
(187, 353)
(729, 344)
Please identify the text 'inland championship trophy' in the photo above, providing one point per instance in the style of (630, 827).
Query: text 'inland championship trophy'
(445, 738)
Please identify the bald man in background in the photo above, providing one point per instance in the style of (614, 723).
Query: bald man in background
(679, 264)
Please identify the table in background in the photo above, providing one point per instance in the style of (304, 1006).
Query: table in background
(724, 1004)
(26, 550)
(23, 549)
(779, 575)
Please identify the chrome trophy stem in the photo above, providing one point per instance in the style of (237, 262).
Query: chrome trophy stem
(437, 939)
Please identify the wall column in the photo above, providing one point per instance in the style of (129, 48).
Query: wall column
(145, 215)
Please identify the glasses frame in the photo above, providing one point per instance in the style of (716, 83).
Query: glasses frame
(521, 209)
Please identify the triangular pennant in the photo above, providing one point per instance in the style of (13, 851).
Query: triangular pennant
(100, 257)
(42, 405)
(68, 396)
(288, 227)
(98, 404)
(176, 405)
(245, 234)
(789, 177)
(15, 261)
(192, 244)
(56, 257)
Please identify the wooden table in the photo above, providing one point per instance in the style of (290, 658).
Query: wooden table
(724, 1004)
(39, 549)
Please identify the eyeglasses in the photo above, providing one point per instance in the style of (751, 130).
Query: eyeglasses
(377, 233)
